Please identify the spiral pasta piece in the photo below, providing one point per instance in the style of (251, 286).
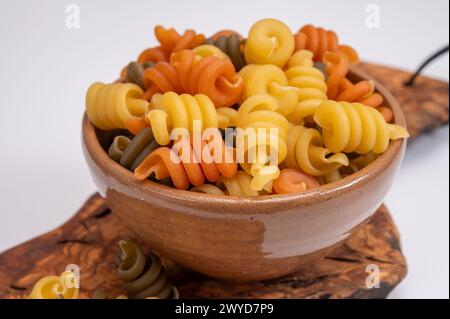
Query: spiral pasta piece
(226, 33)
(153, 55)
(262, 145)
(306, 152)
(293, 181)
(232, 46)
(171, 110)
(342, 89)
(269, 41)
(171, 41)
(226, 117)
(55, 287)
(270, 80)
(238, 185)
(137, 149)
(117, 147)
(189, 72)
(355, 164)
(208, 189)
(108, 106)
(337, 67)
(206, 50)
(143, 276)
(163, 77)
(134, 73)
(310, 81)
(353, 127)
(318, 40)
(188, 163)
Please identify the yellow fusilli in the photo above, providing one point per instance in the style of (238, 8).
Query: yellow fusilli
(56, 287)
(171, 110)
(310, 81)
(265, 133)
(108, 106)
(271, 80)
(354, 127)
(269, 41)
(305, 151)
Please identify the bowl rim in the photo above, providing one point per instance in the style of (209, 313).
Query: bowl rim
(319, 194)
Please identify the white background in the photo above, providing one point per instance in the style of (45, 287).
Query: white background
(45, 69)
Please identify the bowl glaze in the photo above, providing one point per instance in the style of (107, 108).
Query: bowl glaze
(244, 239)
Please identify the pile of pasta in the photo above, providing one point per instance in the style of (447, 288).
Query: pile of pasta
(292, 89)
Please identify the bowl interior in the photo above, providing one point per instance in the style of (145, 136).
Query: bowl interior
(98, 141)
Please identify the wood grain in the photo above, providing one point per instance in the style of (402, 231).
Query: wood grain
(90, 238)
(425, 103)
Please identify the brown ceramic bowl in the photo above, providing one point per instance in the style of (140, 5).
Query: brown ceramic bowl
(244, 239)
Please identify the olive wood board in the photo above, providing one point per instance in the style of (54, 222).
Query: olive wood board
(89, 239)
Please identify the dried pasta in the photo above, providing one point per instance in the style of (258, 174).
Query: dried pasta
(189, 72)
(232, 46)
(306, 152)
(353, 127)
(318, 40)
(296, 116)
(342, 89)
(171, 110)
(55, 287)
(108, 106)
(143, 276)
(171, 41)
(117, 147)
(269, 41)
(271, 80)
(239, 185)
(134, 73)
(190, 164)
(206, 50)
(310, 81)
(265, 134)
(137, 149)
(293, 181)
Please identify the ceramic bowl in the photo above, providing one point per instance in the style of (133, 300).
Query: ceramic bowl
(244, 239)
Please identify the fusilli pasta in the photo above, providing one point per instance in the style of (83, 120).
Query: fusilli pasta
(265, 132)
(189, 73)
(271, 80)
(56, 287)
(108, 106)
(188, 164)
(269, 41)
(306, 152)
(232, 46)
(318, 40)
(143, 276)
(171, 110)
(310, 81)
(292, 180)
(354, 127)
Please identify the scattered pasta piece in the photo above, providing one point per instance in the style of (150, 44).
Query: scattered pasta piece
(56, 287)
(143, 276)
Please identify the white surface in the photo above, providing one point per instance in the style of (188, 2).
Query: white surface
(45, 69)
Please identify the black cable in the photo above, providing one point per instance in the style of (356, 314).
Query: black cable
(410, 82)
